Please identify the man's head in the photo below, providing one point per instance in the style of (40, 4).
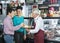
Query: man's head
(35, 13)
(11, 12)
(19, 10)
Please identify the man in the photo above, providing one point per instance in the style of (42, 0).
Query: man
(9, 28)
(39, 30)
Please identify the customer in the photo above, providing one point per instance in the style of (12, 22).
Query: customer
(20, 35)
(38, 31)
(9, 28)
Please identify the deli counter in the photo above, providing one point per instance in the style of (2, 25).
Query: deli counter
(53, 26)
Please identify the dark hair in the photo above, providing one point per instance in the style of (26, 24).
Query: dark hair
(14, 8)
(10, 10)
(19, 7)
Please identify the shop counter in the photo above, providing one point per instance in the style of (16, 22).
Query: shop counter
(53, 40)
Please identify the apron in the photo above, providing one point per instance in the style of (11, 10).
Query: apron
(39, 37)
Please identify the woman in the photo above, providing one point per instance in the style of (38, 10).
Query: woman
(38, 30)
(20, 34)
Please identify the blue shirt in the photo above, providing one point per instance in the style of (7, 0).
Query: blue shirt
(18, 20)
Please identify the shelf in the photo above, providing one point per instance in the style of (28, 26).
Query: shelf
(51, 17)
(43, 17)
(28, 18)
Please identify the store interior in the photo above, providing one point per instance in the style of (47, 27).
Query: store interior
(51, 18)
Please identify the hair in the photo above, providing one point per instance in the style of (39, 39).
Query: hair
(14, 8)
(10, 10)
(37, 11)
(19, 7)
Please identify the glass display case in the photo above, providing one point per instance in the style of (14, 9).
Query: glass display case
(29, 21)
(53, 26)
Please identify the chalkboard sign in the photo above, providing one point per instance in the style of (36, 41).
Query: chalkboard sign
(29, 1)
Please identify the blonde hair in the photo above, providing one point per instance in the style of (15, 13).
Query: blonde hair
(36, 11)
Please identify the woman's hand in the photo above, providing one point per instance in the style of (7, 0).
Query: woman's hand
(24, 37)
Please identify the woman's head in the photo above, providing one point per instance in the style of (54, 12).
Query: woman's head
(19, 10)
(35, 13)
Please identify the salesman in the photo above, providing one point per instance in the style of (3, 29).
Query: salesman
(39, 30)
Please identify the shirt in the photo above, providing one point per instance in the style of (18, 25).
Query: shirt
(39, 25)
(18, 20)
(8, 26)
